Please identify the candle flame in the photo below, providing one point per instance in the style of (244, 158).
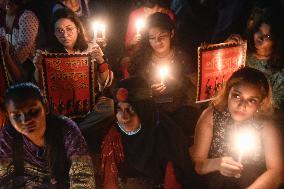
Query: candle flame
(245, 141)
(164, 71)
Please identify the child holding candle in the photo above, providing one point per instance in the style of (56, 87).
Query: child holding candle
(243, 104)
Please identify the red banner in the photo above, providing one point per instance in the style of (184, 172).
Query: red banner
(68, 82)
(216, 63)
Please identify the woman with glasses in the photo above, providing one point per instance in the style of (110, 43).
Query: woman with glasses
(174, 90)
(69, 37)
(38, 149)
(236, 144)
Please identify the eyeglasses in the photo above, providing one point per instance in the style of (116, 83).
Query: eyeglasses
(160, 37)
(68, 30)
(263, 37)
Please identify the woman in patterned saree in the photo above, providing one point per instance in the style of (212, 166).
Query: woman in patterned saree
(40, 150)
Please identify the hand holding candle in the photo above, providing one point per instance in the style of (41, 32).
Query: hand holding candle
(163, 72)
(99, 29)
(245, 142)
(140, 23)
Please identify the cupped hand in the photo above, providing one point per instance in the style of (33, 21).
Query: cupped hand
(229, 167)
(158, 88)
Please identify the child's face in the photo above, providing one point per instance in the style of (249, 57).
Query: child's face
(66, 32)
(243, 101)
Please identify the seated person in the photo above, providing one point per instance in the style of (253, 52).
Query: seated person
(20, 28)
(69, 38)
(144, 149)
(149, 7)
(40, 150)
(175, 90)
(242, 108)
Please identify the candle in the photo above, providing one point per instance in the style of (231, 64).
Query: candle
(140, 23)
(245, 141)
(99, 29)
(163, 72)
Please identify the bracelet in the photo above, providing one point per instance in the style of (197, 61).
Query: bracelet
(102, 67)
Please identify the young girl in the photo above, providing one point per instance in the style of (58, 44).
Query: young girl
(242, 106)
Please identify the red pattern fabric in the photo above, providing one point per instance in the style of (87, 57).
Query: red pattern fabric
(112, 155)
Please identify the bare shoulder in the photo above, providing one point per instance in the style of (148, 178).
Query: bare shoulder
(207, 115)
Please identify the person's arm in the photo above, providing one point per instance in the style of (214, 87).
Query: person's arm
(28, 31)
(202, 141)
(273, 176)
(81, 172)
(105, 75)
(13, 69)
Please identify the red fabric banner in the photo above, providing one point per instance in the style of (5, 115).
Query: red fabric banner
(68, 82)
(216, 63)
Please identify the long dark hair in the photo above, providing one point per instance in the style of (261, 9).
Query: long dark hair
(274, 18)
(54, 133)
(81, 42)
(143, 55)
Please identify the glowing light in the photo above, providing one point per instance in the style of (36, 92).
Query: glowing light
(99, 29)
(245, 141)
(163, 72)
(140, 23)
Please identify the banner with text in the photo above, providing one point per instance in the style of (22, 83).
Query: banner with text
(68, 81)
(216, 63)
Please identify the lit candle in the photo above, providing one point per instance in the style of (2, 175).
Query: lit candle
(163, 72)
(140, 23)
(99, 29)
(245, 141)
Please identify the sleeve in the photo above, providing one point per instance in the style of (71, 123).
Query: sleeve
(81, 172)
(107, 82)
(28, 30)
(5, 156)
(130, 33)
(277, 82)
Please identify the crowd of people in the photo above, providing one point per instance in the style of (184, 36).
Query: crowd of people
(145, 130)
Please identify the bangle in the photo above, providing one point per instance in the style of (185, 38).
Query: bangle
(102, 67)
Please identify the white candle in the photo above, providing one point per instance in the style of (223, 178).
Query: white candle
(245, 141)
(99, 28)
(140, 23)
(163, 72)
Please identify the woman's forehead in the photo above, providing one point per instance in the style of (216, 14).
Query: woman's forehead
(24, 104)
